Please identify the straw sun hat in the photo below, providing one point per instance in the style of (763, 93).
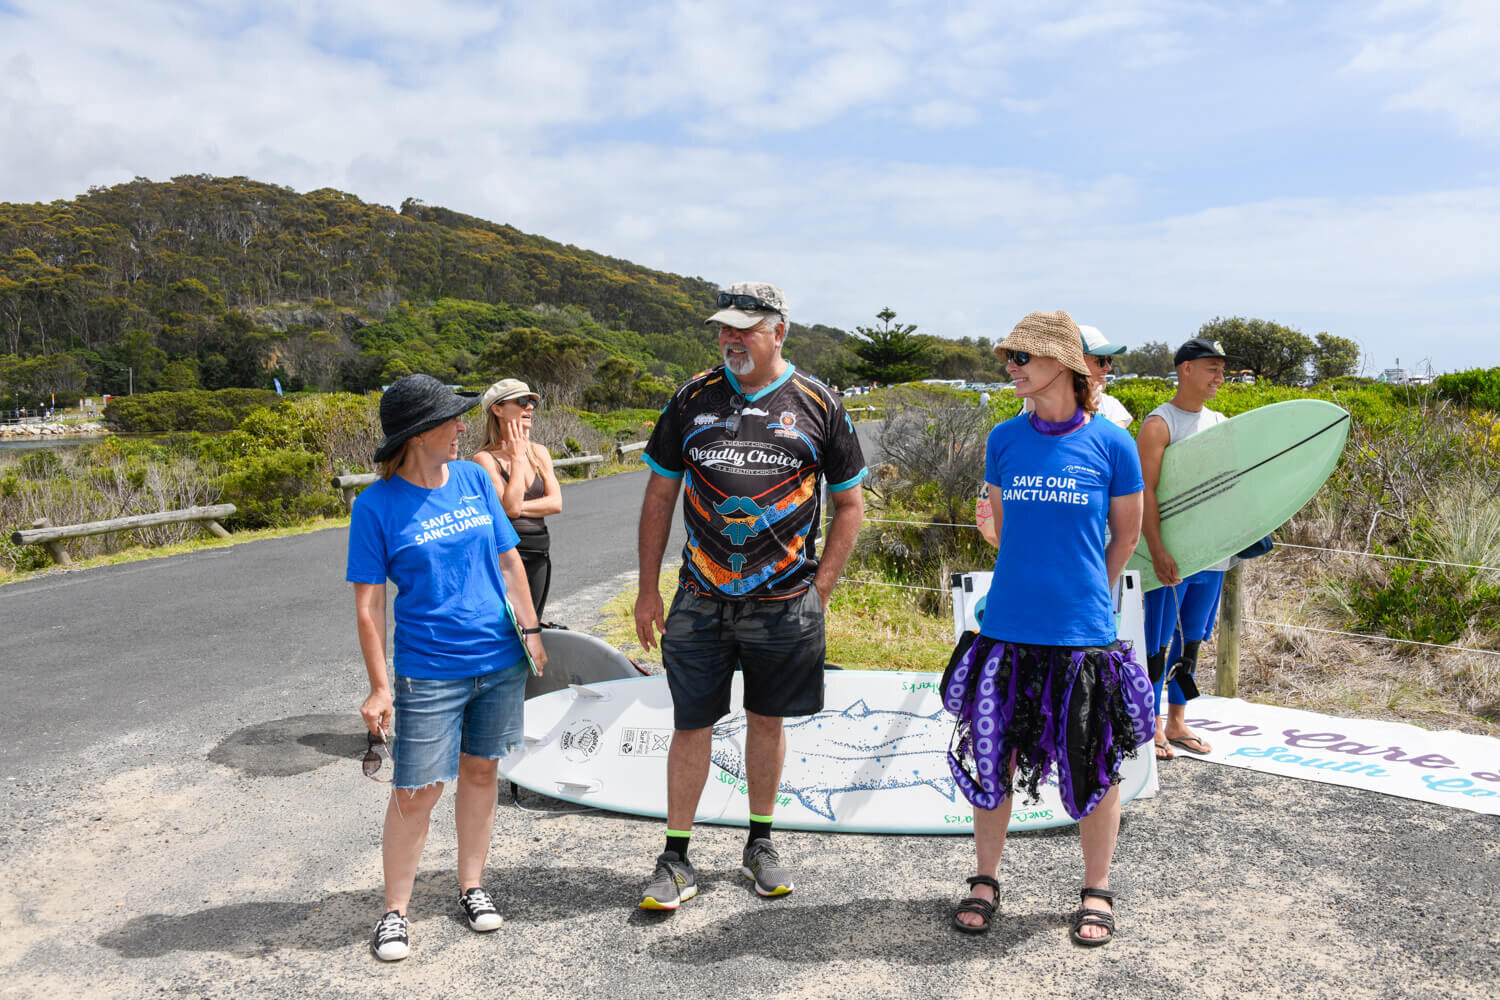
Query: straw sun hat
(1049, 335)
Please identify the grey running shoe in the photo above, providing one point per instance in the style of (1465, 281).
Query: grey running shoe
(763, 864)
(480, 909)
(673, 882)
(391, 943)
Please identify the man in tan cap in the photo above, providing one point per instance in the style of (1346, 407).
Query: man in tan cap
(752, 443)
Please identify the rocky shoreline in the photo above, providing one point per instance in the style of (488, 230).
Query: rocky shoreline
(30, 431)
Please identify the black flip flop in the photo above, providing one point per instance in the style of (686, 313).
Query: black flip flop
(1205, 748)
(977, 904)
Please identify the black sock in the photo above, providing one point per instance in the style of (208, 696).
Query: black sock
(678, 844)
(759, 828)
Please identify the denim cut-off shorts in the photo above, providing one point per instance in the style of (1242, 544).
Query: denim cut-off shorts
(439, 718)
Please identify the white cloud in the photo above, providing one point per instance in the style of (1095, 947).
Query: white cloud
(690, 136)
(1442, 57)
(944, 114)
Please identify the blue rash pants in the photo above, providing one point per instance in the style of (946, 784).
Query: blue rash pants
(1175, 615)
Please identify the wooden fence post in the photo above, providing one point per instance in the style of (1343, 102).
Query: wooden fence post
(44, 533)
(54, 548)
(1227, 673)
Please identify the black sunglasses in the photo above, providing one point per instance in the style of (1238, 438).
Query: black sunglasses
(738, 402)
(376, 753)
(747, 302)
(1021, 358)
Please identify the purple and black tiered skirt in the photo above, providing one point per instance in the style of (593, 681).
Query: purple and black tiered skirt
(1080, 710)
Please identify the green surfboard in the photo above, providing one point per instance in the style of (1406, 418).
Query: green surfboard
(1236, 482)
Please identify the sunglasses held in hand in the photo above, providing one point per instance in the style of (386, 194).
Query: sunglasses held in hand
(378, 751)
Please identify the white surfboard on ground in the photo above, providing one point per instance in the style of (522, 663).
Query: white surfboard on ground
(873, 761)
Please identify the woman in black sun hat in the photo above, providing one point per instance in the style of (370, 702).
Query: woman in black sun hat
(435, 527)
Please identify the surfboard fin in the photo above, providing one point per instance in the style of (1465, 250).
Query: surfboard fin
(583, 691)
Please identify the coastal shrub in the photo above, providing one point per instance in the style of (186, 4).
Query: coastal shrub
(40, 464)
(1398, 465)
(21, 557)
(277, 488)
(1426, 604)
(188, 410)
(617, 425)
(1142, 395)
(1478, 387)
(919, 526)
(343, 427)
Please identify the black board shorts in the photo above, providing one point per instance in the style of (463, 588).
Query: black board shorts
(779, 645)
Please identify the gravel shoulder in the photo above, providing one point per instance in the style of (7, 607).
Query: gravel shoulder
(237, 853)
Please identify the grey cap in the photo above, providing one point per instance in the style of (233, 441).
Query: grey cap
(740, 318)
(414, 404)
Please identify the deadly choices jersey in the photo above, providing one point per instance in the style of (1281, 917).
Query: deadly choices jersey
(750, 466)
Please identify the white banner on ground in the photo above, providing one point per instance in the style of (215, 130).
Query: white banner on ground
(1449, 768)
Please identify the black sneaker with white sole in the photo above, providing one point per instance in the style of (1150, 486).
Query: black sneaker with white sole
(480, 909)
(392, 942)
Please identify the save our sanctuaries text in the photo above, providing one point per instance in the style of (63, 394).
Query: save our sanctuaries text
(1044, 489)
(452, 523)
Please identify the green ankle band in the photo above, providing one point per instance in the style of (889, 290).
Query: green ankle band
(679, 833)
(759, 819)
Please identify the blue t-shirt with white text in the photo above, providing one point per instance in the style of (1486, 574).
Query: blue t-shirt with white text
(1052, 494)
(441, 549)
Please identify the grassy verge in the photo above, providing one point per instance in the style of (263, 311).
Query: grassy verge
(869, 628)
(137, 553)
(879, 628)
(1344, 676)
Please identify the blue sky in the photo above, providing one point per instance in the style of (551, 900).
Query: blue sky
(1146, 164)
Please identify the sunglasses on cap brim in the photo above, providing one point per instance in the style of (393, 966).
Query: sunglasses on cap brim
(748, 303)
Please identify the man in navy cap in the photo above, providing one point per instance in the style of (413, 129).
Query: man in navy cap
(1180, 614)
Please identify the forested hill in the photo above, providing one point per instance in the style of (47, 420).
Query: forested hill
(216, 282)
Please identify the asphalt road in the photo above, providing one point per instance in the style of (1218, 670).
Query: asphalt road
(183, 816)
(86, 654)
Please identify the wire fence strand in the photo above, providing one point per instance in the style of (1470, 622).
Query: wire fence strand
(1383, 555)
(882, 583)
(1253, 621)
(1372, 638)
(920, 524)
(1284, 545)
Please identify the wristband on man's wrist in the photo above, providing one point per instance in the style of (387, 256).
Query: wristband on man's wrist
(532, 631)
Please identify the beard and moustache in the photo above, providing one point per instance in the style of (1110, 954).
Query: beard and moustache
(740, 365)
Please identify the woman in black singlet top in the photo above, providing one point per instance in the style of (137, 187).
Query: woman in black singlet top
(522, 473)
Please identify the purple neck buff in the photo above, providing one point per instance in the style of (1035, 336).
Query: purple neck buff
(1057, 428)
